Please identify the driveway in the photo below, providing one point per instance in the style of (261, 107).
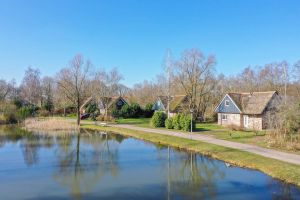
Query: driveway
(269, 153)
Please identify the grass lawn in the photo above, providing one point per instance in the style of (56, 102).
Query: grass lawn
(275, 168)
(142, 122)
(204, 128)
(217, 131)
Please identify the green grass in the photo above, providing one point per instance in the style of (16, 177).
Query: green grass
(143, 122)
(208, 127)
(203, 128)
(284, 171)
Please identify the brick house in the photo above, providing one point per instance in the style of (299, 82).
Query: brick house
(247, 110)
(178, 104)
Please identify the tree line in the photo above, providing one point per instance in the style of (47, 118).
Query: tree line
(192, 74)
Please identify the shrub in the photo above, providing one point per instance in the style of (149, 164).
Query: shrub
(135, 110)
(187, 123)
(158, 119)
(169, 123)
(148, 112)
(176, 122)
(125, 111)
(8, 111)
(44, 113)
(182, 119)
(115, 112)
(24, 112)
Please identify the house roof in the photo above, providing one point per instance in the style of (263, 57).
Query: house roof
(175, 101)
(112, 100)
(252, 103)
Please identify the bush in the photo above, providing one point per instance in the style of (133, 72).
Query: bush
(125, 111)
(115, 112)
(176, 122)
(148, 112)
(186, 120)
(158, 119)
(44, 113)
(135, 110)
(24, 112)
(182, 119)
(8, 113)
(169, 123)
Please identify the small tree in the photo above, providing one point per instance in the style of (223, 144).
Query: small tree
(158, 119)
(148, 112)
(176, 121)
(169, 123)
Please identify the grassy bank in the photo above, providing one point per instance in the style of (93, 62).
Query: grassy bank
(284, 171)
(258, 138)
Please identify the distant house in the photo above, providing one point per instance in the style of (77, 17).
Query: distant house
(178, 104)
(107, 103)
(246, 110)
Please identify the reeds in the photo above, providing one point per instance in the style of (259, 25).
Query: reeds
(50, 124)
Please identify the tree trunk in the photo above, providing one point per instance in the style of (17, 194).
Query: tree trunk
(78, 115)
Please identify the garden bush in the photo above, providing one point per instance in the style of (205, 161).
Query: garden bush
(169, 123)
(158, 119)
(176, 122)
(180, 122)
(135, 110)
(148, 112)
(125, 111)
(187, 123)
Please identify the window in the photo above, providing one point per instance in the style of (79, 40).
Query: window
(224, 117)
(226, 102)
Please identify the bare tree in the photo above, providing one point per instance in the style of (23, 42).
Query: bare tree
(5, 89)
(31, 86)
(106, 85)
(48, 86)
(194, 73)
(74, 81)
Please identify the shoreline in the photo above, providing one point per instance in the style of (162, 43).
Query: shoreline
(286, 172)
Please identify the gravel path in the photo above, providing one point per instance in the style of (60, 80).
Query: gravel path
(269, 153)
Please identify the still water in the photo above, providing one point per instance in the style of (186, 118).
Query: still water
(94, 165)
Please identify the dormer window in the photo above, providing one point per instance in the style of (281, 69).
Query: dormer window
(226, 102)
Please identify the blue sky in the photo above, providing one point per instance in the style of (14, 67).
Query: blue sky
(133, 35)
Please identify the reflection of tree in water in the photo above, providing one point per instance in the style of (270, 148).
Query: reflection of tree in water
(30, 147)
(29, 143)
(283, 190)
(195, 177)
(82, 164)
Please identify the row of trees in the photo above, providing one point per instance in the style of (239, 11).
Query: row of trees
(192, 74)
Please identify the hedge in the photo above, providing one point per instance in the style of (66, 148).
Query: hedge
(158, 119)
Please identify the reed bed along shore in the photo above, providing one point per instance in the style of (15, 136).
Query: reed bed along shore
(50, 124)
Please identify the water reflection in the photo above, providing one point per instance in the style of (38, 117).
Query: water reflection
(81, 162)
(80, 169)
(194, 178)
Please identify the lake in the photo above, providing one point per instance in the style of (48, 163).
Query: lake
(95, 165)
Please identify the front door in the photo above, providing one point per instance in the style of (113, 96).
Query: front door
(246, 121)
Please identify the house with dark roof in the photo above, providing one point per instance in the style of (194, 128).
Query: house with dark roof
(178, 104)
(247, 110)
(107, 103)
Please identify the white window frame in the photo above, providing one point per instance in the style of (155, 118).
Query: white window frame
(227, 102)
(224, 117)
